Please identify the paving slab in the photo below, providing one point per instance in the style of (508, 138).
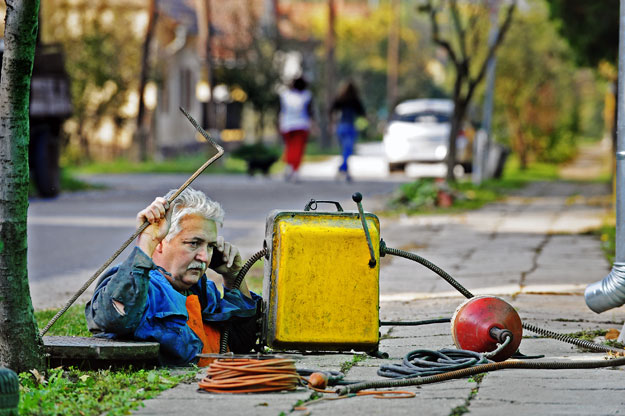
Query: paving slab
(533, 249)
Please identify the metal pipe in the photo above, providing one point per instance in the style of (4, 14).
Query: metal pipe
(610, 292)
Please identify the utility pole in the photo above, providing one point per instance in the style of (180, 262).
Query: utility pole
(482, 150)
(204, 52)
(610, 292)
(326, 139)
(142, 132)
(392, 56)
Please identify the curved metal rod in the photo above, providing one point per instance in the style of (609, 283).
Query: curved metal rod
(220, 152)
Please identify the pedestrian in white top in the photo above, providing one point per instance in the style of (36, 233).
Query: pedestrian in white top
(294, 123)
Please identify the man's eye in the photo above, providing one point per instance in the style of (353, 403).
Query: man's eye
(193, 244)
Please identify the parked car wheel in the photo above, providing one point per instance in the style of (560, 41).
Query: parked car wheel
(44, 162)
(396, 167)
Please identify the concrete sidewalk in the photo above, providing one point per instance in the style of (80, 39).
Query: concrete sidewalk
(533, 250)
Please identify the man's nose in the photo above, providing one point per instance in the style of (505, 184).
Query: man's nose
(204, 254)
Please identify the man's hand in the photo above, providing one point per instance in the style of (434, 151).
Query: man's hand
(232, 261)
(159, 217)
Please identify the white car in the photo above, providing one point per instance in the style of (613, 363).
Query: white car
(419, 132)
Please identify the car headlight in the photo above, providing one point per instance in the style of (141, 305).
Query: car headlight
(396, 148)
(441, 151)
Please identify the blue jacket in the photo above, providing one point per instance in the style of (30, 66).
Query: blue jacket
(155, 311)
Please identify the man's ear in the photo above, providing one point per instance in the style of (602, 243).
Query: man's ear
(159, 247)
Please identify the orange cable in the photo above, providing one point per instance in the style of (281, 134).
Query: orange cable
(239, 375)
(246, 375)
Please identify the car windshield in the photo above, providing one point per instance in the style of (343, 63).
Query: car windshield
(423, 117)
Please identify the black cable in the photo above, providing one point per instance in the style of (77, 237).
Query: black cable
(416, 381)
(414, 257)
(442, 273)
(421, 363)
(575, 341)
(415, 323)
(225, 333)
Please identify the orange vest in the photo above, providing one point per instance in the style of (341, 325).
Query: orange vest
(208, 334)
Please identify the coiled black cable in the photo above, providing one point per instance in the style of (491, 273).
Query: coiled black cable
(449, 279)
(422, 363)
(416, 381)
(225, 333)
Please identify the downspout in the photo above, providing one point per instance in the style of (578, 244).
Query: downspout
(610, 292)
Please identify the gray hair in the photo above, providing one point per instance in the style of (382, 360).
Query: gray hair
(191, 201)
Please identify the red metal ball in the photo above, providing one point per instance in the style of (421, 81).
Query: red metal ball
(473, 320)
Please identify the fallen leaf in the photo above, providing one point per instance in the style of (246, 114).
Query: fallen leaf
(39, 378)
(612, 334)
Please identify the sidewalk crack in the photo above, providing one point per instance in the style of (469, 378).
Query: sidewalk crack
(464, 408)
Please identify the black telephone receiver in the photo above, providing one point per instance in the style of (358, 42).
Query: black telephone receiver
(217, 259)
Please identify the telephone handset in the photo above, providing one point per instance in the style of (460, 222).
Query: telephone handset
(217, 259)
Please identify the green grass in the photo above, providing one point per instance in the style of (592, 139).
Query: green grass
(74, 392)
(347, 365)
(68, 182)
(536, 171)
(71, 391)
(190, 163)
(71, 323)
(590, 335)
(183, 164)
(607, 235)
(419, 197)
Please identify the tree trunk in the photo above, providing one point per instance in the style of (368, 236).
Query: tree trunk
(20, 343)
(330, 69)
(392, 54)
(460, 106)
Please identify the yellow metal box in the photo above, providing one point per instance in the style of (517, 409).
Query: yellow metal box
(319, 291)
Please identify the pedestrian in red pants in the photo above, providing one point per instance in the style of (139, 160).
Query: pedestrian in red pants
(295, 143)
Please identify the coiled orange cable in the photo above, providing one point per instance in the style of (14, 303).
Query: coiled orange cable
(243, 375)
(247, 375)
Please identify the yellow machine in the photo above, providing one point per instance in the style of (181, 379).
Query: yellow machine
(321, 283)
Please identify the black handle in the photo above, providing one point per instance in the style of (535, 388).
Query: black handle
(312, 205)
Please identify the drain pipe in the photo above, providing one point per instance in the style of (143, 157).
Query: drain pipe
(610, 292)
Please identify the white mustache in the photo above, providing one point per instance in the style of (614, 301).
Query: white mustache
(197, 265)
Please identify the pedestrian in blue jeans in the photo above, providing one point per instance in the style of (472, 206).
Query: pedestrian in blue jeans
(350, 107)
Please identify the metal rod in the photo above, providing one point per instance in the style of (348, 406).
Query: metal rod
(357, 197)
(220, 152)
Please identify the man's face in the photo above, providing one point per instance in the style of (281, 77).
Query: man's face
(187, 255)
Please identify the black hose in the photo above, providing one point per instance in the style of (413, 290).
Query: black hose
(550, 365)
(422, 363)
(414, 257)
(442, 273)
(575, 341)
(415, 323)
(225, 333)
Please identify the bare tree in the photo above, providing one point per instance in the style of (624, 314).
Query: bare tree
(20, 343)
(469, 69)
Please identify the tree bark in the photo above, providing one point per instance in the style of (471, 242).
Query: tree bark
(393, 57)
(330, 69)
(20, 342)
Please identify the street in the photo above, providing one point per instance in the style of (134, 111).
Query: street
(71, 236)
